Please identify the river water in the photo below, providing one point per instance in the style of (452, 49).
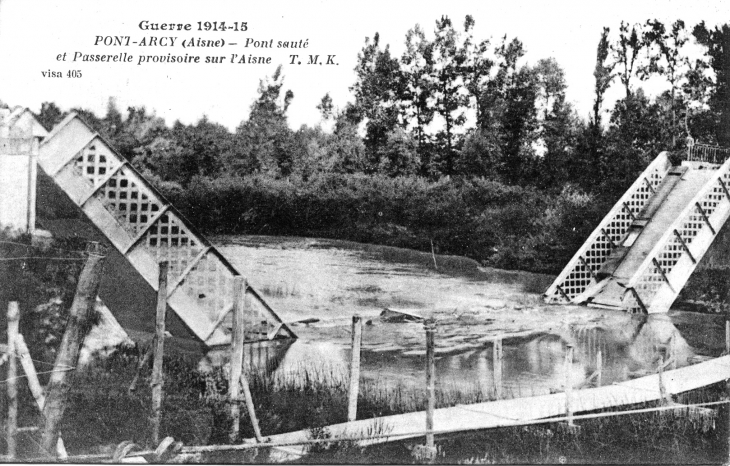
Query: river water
(331, 280)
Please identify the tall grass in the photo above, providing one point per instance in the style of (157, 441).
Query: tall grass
(101, 413)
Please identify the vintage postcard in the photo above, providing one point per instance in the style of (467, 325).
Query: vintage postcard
(364, 232)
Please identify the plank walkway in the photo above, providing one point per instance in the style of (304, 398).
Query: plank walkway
(514, 412)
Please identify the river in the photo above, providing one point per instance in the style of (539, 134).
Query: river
(329, 281)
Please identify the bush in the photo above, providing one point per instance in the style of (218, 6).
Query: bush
(496, 224)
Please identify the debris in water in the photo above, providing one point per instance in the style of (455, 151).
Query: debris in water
(308, 321)
(396, 316)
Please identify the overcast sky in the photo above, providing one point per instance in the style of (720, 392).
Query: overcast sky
(34, 33)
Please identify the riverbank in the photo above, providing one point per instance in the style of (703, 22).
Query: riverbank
(102, 413)
(497, 225)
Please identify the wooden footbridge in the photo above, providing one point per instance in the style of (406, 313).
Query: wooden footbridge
(557, 407)
(143, 228)
(643, 252)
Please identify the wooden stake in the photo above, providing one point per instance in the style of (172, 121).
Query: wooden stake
(25, 361)
(497, 356)
(159, 349)
(727, 416)
(599, 367)
(727, 334)
(433, 254)
(568, 385)
(36, 389)
(237, 340)
(250, 408)
(68, 354)
(143, 361)
(243, 381)
(354, 368)
(12, 424)
(662, 389)
(430, 326)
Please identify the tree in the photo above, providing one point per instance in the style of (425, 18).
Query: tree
(129, 136)
(417, 101)
(325, 107)
(477, 67)
(50, 115)
(377, 91)
(113, 121)
(550, 82)
(667, 59)
(717, 45)
(399, 156)
(625, 52)
(199, 149)
(556, 123)
(638, 131)
(450, 99)
(697, 90)
(345, 148)
(264, 141)
(603, 74)
(509, 111)
(480, 155)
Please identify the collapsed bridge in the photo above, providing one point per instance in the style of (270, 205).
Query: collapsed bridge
(645, 249)
(111, 202)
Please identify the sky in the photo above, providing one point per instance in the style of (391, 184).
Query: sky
(34, 33)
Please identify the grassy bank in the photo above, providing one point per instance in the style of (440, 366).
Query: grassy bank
(508, 227)
(102, 413)
(705, 291)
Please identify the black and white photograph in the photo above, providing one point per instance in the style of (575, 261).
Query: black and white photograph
(382, 232)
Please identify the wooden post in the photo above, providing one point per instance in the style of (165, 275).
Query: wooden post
(236, 370)
(12, 388)
(599, 367)
(727, 334)
(250, 408)
(430, 326)
(159, 349)
(242, 380)
(497, 356)
(143, 361)
(433, 254)
(662, 389)
(25, 361)
(568, 385)
(36, 389)
(727, 393)
(354, 368)
(68, 353)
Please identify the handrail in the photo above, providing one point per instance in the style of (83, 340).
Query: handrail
(707, 153)
(660, 165)
(676, 226)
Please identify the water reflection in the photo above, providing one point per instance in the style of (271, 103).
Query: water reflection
(530, 366)
(332, 283)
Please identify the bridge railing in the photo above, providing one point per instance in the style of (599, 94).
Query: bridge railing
(707, 153)
(147, 229)
(669, 264)
(579, 273)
